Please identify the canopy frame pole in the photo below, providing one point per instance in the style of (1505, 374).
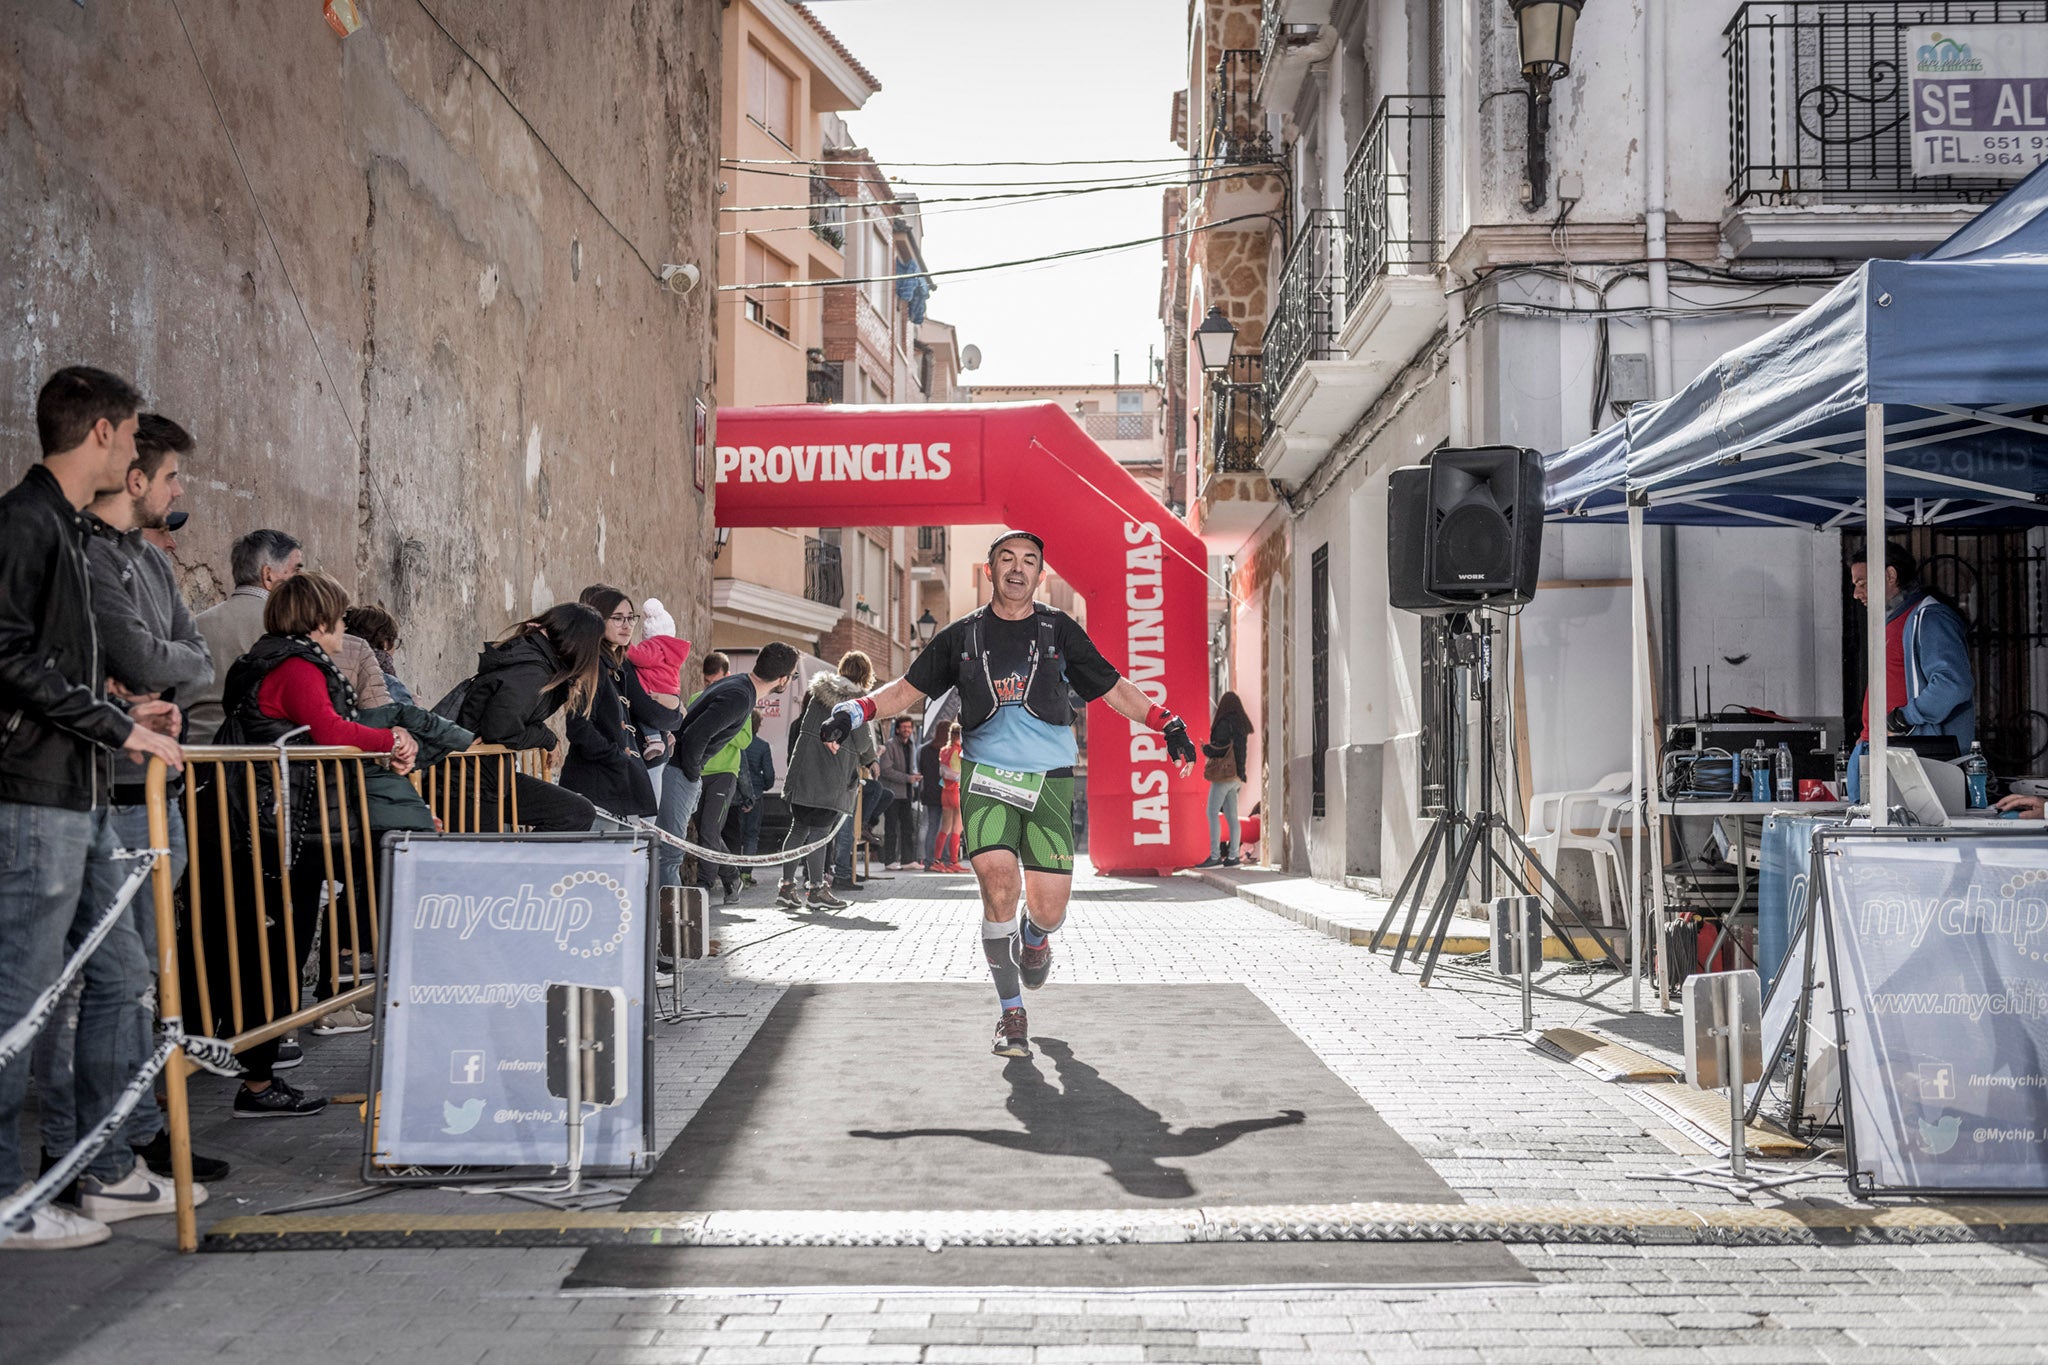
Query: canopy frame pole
(1639, 632)
(1876, 784)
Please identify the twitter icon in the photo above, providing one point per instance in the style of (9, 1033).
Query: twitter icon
(1937, 1138)
(460, 1118)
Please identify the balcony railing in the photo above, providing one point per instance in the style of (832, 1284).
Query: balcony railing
(1237, 133)
(1391, 194)
(824, 573)
(828, 212)
(1237, 417)
(1119, 426)
(1305, 320)
(826, 382)
(1272, 21)
(1817, 100)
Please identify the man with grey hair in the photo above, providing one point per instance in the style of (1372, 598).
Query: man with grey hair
(260, 561)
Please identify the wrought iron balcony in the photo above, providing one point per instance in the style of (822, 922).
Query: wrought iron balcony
(1817, 100)
(1237, 417)
(1119, 426)
(1392, 194)
(1306, 318)
(828, 213)
(824, 573)
(826, 382)
(1237, 133)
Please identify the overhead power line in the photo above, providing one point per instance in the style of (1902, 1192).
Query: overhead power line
(1108, 161)
(1067, 255)
(1022, 194)
(1061, 181)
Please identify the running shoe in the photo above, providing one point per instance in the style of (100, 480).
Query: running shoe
(52, 1228)
(731, 897)
(136, 1195)
(347, 1019)
(1211, 861)
(156, 1154)
(289, 1054)
(822, 898)
(1012, 1038)
(1034, 963)
(279, 1101)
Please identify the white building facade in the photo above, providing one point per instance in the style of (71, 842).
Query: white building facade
(1710, 167)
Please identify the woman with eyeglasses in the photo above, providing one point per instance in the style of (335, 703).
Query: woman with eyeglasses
(605, 763)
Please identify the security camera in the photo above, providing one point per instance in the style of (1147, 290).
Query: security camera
(680, 279)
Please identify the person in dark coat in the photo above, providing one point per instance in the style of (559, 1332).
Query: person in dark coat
(821, 782)
(541, 665)
(931, 796)
(605, 743)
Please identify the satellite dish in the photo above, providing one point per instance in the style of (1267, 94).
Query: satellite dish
(970, 357)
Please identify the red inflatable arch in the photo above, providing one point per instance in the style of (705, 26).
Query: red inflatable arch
(1028, 465)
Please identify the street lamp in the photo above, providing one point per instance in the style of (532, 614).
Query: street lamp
(926, 627)
(1546, 31)
(1215, 339)
(719, 537)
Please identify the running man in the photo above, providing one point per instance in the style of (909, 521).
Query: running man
(1018, 664)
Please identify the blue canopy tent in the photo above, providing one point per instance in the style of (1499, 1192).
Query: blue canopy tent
(1919, 388)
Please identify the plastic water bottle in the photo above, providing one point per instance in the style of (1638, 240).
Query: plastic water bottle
(1977, 777)
(1787, 788)
(1759, 773)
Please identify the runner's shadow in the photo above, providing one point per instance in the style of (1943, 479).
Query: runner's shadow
(1086, 1116)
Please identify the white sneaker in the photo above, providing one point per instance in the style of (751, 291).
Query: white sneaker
(137, 1195)
(347, 1019)
(54, 1228)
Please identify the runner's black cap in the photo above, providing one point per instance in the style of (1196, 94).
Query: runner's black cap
(175, 521)
(1016, 535)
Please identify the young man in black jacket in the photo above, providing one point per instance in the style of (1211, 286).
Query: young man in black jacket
(58, 735)
(712, 720)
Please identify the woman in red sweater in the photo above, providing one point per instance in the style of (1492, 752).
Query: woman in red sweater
(288, 689)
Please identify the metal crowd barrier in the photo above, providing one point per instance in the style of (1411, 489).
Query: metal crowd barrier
(245, 916)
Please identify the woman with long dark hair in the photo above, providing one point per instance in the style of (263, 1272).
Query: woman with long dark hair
(605, 742)
(1223, 765)
(541, 665)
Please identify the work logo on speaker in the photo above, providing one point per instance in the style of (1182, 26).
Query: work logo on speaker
(478, 929)
(1942, 955)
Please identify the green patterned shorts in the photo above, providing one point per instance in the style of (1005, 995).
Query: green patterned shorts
(1042, 838)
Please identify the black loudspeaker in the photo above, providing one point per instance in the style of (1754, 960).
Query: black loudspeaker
(1465, 530)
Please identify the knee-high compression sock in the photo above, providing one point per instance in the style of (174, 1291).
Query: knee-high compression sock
(999, 946)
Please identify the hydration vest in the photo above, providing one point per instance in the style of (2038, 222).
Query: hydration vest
(1046, 695)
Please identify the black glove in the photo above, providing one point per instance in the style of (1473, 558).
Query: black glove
(1896, 722)
(1179, 747)
(839, 725)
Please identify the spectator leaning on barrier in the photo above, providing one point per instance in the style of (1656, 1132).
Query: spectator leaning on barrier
(288, 680)
(259, 562)
(720, 782)
(375, 628)
(542, 664)
(605, 763)
(708, 726)
(55, 777)
(152, 650)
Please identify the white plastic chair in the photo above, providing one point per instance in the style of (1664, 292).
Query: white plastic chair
(1589, 822)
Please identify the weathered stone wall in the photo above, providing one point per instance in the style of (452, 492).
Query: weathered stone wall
(429, 356)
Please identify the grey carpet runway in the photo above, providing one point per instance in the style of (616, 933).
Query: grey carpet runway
(884, 1096)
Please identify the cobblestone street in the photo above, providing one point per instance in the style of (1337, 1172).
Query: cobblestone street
(1496, 1119)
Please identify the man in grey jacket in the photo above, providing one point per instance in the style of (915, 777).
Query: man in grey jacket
(259, 561)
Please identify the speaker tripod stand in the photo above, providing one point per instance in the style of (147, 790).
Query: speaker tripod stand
(1469, 843)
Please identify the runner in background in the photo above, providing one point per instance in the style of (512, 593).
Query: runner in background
(1018, 664)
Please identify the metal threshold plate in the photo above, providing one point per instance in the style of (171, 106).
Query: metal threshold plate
(938, 1229)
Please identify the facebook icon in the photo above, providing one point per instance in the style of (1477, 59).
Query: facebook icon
(466, 1068)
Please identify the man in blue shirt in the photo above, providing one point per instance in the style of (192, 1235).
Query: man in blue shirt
(1019, 664)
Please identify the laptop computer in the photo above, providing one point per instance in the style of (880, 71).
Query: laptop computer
(1931, 792)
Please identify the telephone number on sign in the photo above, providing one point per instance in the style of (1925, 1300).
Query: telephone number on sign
(2014, 142)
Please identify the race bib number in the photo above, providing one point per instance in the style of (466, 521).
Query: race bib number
(1021, 790)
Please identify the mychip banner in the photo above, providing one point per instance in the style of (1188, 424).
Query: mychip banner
(1978, 98)
(475, 928)
(1939, 949)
